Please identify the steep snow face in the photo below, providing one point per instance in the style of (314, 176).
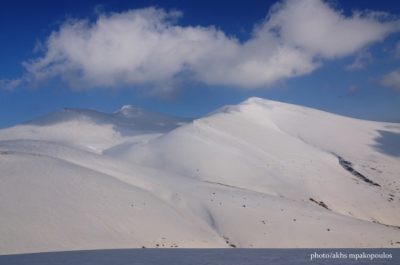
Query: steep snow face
(258, 174)
(327, 131)
(94, 130)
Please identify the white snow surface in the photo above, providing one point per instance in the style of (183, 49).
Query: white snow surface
(93, 130)
(261, 174)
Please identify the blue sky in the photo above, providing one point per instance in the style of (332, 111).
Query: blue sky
(187, 58)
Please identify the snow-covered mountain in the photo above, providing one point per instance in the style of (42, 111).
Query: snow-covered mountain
(258, 174)
(94, 130)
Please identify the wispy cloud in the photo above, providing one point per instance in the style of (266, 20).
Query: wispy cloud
(392, 80)
(362, 60)
(397, 51)
(147, 46)
(10, 84)
(351, 91)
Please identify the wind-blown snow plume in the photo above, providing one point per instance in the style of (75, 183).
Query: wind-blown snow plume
(148, 47)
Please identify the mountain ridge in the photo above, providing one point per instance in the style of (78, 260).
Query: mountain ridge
(257, 174)
(73, 126)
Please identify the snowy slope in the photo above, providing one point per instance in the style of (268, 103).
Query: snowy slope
(285, 150)
(94, 130)
(259, 174)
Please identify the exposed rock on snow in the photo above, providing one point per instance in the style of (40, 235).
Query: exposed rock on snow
(349, 167)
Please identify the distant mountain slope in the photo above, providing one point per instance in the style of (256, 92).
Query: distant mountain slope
(94, 130)
(258, 174)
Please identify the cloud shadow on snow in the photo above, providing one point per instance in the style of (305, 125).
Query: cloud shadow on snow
(388, 143)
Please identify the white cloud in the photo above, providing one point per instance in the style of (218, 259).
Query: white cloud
(147, 46)
(392, 80)
(315, 27)
(362, 60)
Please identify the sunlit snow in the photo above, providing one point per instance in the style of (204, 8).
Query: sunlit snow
(261, 174)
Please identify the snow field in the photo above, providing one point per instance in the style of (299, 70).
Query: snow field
(259, 174)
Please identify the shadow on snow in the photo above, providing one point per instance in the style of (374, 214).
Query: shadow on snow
(388, 143)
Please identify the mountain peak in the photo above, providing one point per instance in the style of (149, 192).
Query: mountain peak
(254, 99)
(127, 108)
(130, 111)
